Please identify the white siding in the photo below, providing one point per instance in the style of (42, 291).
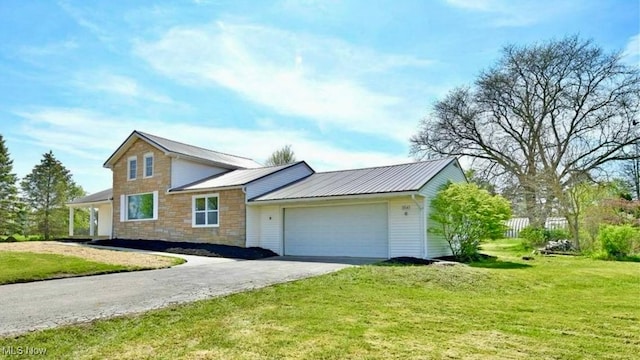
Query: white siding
(276, 180)
(271, 228)
(436, 245)
(406, 236)
(185, 172)
(104, 219)
(253, 226)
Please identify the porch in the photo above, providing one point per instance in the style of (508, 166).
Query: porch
(100, 206)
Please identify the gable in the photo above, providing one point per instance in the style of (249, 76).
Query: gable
(184, 151)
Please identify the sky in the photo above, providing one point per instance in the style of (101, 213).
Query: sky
(345, 83)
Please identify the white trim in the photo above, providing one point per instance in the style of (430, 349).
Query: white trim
(129, 178)
(124, 204)
(123, 208)
(336, 198)
(193, 210)
(84, 205)
(144, 165)
(173, 191)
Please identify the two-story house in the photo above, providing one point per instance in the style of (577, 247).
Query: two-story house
(167, 190)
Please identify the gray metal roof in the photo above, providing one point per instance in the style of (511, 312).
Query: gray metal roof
(178, 148)
(376, 180)
(232, 178)
(100, 196)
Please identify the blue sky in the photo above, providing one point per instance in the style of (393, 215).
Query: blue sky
(344, 82)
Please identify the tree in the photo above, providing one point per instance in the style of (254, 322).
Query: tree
(283, 156)
(8, 192)
(46, 190)
(631, 171)
(466, 215)
(547, 116)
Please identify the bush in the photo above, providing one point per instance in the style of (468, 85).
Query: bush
(556, 234)
(536, 237)
(617, 241)
(465, 215)
(8, 239)
(533, 236)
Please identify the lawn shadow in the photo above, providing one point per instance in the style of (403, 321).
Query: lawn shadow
(498, 264)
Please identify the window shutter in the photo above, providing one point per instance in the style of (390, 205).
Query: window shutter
(155, 205)
(123, 208)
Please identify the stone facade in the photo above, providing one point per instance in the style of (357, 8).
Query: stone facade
(174, 222)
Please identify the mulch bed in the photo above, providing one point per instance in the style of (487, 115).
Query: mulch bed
(406, 260)
(189, 248)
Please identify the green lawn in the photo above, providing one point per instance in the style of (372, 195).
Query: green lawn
(551, 307)
(18, 267)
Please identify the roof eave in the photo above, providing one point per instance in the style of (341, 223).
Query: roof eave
(85, 204)
(336, 197)
(187, 191)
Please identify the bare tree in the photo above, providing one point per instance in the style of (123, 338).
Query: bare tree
(546, 115)
(283, 156)
(631, 171)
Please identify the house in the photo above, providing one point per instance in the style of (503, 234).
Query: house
(167, 190)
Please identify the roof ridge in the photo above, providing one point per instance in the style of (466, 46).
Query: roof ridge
(386, 166)
(195, 146)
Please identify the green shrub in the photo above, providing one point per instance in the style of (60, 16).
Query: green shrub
(556, 234)
(8, 239)
(617, 240)
(533, 236)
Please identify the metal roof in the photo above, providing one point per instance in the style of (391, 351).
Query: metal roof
(376, 180)
(233, 178)
(178, 148)
(100, 196)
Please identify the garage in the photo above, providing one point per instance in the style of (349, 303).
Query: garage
(344, 230)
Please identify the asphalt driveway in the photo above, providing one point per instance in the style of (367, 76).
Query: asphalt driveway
(45, 304)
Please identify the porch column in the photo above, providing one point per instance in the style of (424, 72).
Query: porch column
(70, 221)
(92, 219)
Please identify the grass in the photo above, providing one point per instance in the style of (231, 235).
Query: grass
(18, 267)
(550, 307)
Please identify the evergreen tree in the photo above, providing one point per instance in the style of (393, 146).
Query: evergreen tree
(46, 190)
(8, 192)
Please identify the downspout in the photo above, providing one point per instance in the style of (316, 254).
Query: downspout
(422, 226)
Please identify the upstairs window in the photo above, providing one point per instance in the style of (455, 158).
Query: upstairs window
(205, 211)
(132, 168)
(148, 165)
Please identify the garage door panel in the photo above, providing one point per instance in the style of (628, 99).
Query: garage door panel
(348, 230)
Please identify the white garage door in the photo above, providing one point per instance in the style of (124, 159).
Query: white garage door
(347, 230)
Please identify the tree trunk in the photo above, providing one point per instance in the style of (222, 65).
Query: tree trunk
(533, 210)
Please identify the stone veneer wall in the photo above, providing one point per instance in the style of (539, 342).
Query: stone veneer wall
(174, 210)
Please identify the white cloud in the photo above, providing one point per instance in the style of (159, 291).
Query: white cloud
(631, 52)
(508, 13)
(54, 48)
(91, 137)
(80, 17)
(120, 85)
(319, 79)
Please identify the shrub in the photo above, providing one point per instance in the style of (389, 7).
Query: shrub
(8, 239)
(556, 234)
(617, 241)
(466, 215)
(533, 236)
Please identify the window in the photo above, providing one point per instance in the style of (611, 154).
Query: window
(132, 168)
(139, 207)
(148, 165)
(205, 210)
